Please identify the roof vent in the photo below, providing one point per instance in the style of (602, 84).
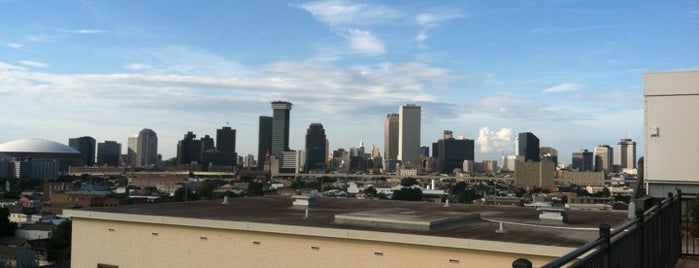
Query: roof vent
(502, 229)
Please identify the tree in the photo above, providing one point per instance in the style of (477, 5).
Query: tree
(256, 189)
(370, 191)
(58, 246)
(180, 195)
(205, 190)
(693, 211)
(407, 182)
(7, 228)
(468, 196)
(604, 193)
(458, 188)
(247, 178)
(564, 199)
(408, 194)
(297, 184)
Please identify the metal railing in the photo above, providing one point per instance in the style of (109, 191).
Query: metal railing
(652, 239)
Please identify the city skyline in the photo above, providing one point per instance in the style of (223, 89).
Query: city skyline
(570, 72)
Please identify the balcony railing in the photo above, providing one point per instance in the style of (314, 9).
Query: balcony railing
(654, 238)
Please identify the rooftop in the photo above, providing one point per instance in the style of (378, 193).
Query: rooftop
(456, 221)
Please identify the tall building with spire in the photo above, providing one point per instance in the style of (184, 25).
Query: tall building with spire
(281, 111)
(409, 136)
(147, 149)
(316, 142)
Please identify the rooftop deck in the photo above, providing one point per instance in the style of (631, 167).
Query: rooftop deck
(522, 224)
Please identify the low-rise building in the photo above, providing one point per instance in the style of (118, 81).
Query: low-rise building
(17, 257)
(58, 201)
(568, 177)
(162, 184)
(334, 233)
(34, 231)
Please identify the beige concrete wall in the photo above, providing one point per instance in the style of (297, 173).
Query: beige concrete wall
(128, 244)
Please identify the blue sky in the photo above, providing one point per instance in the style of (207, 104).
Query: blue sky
(571, 72)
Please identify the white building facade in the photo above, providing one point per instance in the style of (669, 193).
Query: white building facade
(671, 146)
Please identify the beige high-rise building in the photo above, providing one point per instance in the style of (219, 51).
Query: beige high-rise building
(390, 136)
(625, 157)
(603, 158)
(409, 136)
(131, 151)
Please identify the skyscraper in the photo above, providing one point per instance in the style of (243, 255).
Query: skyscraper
(280, 127)
(189, 150)
(391, 136)
(549, 154)
(264, 143)
(409, 135)
(225, 153)
(225, 139)
(315, 148)
(582, 160)
(131, 151)
(528, 147)
(626, 154)
(451, 153)
(147, 149)
(86, 146)
(108, 153)
(603, 158)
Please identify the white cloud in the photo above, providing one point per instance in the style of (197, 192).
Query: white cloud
(432, 19)
(562, 88)
(137, 66)
(365, 42)
(13, 45)
(348, 13)
(494, 141)
(490, 79)
(80, 31)
(421, 36)
(33, 63)
(176, 103)
(437, 17)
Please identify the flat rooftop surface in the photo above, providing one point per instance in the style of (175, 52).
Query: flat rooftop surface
(522, 224)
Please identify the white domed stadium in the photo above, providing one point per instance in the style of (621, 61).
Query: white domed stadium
(43, 154)
(36, 146)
